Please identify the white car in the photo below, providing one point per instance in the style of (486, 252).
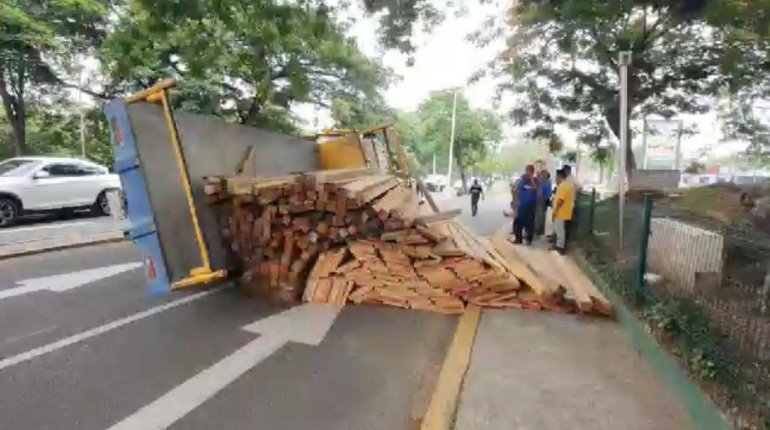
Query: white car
(45, 184)
(435, 183)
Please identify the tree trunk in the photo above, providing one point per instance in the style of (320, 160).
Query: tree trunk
(765, 292)
(458, 158)
(612, 114)
(601, 173)
(14, 113)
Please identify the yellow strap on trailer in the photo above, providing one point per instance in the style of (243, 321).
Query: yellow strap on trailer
(202, 274)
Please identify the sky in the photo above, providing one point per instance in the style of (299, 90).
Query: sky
(445, 59)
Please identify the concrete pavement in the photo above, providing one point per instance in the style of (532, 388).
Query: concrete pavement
(35, 236)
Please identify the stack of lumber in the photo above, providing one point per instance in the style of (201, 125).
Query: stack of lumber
(275, 227)
(363, 237)
(555, 281)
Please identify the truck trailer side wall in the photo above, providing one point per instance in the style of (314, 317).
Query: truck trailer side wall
(209, 147)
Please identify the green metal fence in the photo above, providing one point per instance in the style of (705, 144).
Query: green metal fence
(701, 286)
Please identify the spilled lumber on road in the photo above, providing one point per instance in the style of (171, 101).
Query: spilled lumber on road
(363, 237)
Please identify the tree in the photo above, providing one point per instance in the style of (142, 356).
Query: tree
(476, 131)
(695, 167)
(362, 115)
(38, 39)
(242, 60)
(57, 133)
(562, 61)
(604, 158)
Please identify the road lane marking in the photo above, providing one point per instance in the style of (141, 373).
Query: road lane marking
(443, 403)
(306, 324)
(17, 338)
(71, 340)
(45, 227)
(67, 281)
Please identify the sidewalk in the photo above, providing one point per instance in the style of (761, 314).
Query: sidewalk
(546, 371)
(37, 238)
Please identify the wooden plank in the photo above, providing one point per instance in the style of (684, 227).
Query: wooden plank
(440, 216)
(392, 138)
(580, 281)
(519, 269)
(353, 189)
(373, 192)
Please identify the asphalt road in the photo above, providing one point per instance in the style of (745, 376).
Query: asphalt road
(86, 351)
(83, 347)
(489, 219)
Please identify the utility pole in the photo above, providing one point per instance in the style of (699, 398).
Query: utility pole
(624, 59)
(452, 142)
(82, 112)
(82, 133)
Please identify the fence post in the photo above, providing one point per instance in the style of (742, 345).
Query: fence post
(591, 212)
(645, 240)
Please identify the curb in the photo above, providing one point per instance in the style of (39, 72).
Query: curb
(443, 402)
(702, 412)
(83, 244)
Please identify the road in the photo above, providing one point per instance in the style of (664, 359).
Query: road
(489, 219)
(89, 350)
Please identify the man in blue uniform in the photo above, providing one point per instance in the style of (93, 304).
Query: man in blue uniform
(525, 202)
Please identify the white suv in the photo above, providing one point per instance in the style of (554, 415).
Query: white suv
(45, 184)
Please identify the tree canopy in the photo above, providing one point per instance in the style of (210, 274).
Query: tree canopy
(39, 44)
(562, 60)
(242, 60)
(246, 61)
(427, 131)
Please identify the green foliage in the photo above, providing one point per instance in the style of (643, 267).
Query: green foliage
(695, 167)
(39, 41)
(398, 18)
(476, 131)
(242, 60)
(699, 343)
(562, 59)
(58, 134)
(362, 115)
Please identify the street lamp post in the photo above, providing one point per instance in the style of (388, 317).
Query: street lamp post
(624, 59)
(452, 142)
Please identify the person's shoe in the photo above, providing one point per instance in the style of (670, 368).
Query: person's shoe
(529, 243)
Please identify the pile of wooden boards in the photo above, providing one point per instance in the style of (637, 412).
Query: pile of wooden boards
(360, 236)
(277, 226)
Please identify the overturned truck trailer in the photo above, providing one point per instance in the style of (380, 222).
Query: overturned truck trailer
(162, 157)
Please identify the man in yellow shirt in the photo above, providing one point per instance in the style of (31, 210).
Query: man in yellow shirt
(563, 205)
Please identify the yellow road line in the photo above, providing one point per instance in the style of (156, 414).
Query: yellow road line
(442, 406)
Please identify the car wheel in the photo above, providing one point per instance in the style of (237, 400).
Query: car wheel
(102, 204)
(9, 212)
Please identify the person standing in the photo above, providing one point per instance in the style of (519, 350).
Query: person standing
(563, 206)
(525, 201)
(569, 177)
(476, 192)
(544, 193)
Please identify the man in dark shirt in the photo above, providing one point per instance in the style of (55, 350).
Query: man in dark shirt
(525, 202)
(476, 191)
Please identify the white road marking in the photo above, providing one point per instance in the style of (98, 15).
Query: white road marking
(45, 227)
(307, 324)
(67, 341)
(67, 281)
(13, 339)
